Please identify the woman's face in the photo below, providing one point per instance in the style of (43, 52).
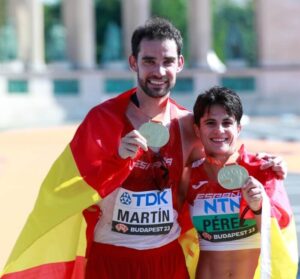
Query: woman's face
(218, 132)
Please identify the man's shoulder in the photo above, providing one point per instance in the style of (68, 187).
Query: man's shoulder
(192, 146)
(178, 106)
(182, 113)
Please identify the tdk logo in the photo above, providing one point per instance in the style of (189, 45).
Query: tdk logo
(125, 198)
(150, 199)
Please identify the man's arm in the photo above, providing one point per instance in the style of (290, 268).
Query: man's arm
(191, 145)
(277, 164)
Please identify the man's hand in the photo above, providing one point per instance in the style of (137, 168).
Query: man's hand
(131, 143)
(276, 163)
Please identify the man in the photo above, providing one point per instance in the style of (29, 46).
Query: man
(156, 58)
(122, 179)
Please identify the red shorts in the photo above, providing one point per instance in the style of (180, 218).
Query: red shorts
(114, 262)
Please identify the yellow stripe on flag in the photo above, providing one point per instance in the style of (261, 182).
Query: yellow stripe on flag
(49, 233)
(284, 252)
(190, 247)
(61, 244)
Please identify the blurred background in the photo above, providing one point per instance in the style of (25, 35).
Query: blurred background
(58, 58)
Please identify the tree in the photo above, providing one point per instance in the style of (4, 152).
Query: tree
(108, 13)
(175, 11)
(232, 25)
(54, 33)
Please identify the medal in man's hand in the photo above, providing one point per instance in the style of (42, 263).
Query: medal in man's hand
(156, 134)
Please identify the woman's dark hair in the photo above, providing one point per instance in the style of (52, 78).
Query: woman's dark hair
(156, 28)
(218, 96)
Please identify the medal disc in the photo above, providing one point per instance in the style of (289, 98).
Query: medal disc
(156, 134)
(232, 176)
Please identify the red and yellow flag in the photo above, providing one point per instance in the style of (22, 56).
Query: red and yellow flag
(55, 239)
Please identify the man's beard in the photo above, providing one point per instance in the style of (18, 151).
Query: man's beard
(153, 93)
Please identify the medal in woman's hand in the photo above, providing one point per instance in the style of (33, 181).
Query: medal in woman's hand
(232, 177)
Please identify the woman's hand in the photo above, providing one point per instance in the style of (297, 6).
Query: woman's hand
(252, 192)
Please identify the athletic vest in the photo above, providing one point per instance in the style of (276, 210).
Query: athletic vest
(142, 213)
(215, 214)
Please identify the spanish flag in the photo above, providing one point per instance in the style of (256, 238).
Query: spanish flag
(55, 240)
(279, 251)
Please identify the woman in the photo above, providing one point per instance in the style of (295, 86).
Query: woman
(226, 215)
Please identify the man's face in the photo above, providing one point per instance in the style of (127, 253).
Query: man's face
(157, 66)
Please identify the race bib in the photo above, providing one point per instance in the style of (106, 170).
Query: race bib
(217, 219)
(143, 213)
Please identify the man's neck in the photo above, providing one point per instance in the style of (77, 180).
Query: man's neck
(138, 115)
(154, 108)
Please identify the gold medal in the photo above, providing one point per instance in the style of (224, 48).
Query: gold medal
(232, 177)
(156, 134)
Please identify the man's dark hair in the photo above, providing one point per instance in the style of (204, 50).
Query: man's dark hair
(156, 28)
(218, 96)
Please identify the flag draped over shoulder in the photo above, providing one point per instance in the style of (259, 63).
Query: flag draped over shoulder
(279, 251)
(55, 239)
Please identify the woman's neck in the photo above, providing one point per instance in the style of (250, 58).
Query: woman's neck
(213, 164)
